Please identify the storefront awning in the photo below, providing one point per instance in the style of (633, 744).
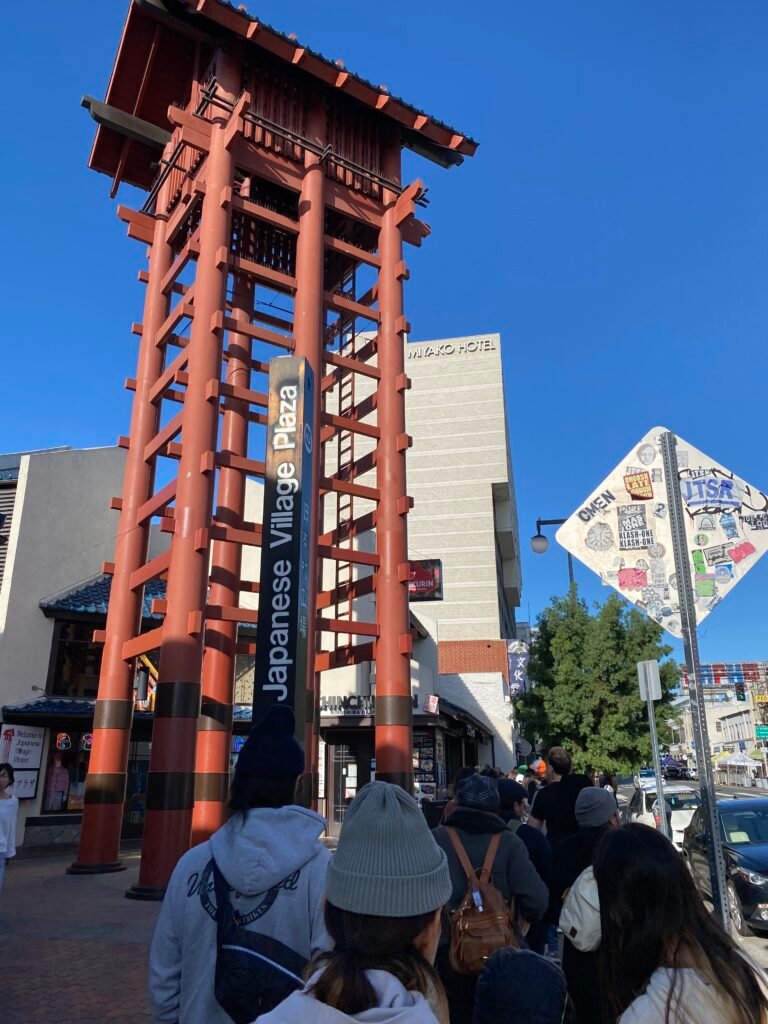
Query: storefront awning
(53, 710)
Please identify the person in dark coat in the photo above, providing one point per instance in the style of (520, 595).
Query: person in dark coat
(513, 799)
(596, 814)
(476, 820)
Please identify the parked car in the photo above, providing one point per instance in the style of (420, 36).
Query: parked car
(744, 828)
(645, 775)
(681, 801)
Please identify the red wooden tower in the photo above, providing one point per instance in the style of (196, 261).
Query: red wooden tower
(275, 220)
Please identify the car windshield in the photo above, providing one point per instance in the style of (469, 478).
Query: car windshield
(747, 825)
(683, 801)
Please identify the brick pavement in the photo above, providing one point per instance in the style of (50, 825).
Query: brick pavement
(74, 950)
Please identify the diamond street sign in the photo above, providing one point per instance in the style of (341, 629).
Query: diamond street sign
(622, 530)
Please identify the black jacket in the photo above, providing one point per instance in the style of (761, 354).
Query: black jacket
(513, 872)
(570, 857)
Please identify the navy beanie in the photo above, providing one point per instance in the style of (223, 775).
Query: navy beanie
(271, 751)
(510, 792)
(518, 986)
(479, 792)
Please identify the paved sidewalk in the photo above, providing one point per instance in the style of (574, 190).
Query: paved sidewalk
(74, 950)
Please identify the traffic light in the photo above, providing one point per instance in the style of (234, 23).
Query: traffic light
(741, 693)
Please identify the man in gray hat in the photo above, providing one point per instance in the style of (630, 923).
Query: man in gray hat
(596, 813)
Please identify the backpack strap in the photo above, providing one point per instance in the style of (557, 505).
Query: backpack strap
(490, 857)
(461, 853)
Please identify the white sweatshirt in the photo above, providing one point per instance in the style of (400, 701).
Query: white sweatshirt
(695, 1001)
(276, 864)
(397, 1005)
(9, 810)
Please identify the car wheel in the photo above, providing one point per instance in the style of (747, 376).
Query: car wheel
(737, 914)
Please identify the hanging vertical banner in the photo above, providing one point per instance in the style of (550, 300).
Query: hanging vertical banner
(518, 656)
(284, 633)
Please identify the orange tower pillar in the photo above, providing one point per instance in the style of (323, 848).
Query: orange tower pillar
(394, 710)
(308, 327)
(171, 782)
(106, 781)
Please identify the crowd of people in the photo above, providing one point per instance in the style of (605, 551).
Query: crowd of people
(456, 924)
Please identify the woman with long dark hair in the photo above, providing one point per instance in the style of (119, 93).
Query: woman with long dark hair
(664, 959)
(385, 889)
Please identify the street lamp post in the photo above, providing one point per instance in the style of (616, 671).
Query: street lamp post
(540, 543)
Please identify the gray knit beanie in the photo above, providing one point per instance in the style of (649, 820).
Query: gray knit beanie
(595, 807)
(387, 864)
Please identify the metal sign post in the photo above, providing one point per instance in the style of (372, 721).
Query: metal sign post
(691, 647)
(650, 690)
(284, 635)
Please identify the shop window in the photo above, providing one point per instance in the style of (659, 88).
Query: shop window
(76, 661)
(68, 757)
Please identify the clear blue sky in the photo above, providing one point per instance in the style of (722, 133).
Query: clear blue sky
(612, 227)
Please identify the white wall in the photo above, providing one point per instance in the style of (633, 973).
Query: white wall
(482, 695)
(62, 533)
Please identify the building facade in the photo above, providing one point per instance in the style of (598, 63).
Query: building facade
(736, 705)
(463, 527)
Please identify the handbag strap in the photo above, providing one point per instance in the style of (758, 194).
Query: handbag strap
(224, 909)
(461, 853)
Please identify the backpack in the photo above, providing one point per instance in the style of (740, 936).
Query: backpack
(254, 972)
(483, 922)
(580, 916)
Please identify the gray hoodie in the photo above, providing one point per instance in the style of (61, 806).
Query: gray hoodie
(397, 1005)
(276, 866)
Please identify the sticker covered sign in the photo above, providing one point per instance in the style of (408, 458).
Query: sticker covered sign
(622, 531)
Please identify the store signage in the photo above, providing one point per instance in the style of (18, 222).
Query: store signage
(761, 732)
(729, 673)
(356, 704)
(432, 704)
(63, 741)
(425, 580)
(284, 632)
(21, 746)
(465, 346)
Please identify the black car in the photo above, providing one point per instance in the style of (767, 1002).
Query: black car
(744, 828)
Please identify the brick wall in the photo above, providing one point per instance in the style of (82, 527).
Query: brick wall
(457, 657)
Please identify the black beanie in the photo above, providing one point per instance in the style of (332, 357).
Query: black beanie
(271, 751)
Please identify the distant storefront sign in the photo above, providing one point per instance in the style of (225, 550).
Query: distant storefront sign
(761, 732)
(729, 673)
(21, 746)
(425, 580)
(356, 704)
(431, 704)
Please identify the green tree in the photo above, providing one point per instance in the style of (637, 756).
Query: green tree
(584, 672)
